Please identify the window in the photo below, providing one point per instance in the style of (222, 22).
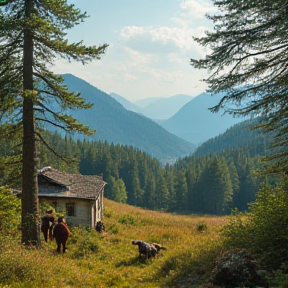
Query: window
(70, 209)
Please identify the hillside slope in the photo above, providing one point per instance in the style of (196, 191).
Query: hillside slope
(194, 122)
(126, 103)
(115, 124)
(110, 260)
(237, 136)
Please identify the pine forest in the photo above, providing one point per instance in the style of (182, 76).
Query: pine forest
(214, 183)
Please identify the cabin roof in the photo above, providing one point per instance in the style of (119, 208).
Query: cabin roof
(72, 185)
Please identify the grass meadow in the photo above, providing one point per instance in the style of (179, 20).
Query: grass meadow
(110, 260)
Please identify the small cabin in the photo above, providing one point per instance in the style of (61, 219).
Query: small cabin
(80, 196)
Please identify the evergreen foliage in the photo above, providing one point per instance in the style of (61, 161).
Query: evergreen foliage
(240, 135)
(248, 64)
(32, 35)
(9, 211)
(117, 125)
(212, 184)
(264, 229)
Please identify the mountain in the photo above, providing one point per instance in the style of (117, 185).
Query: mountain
(155, 108)
(195, 123)
(115, 124)
(238, 136)
(164, 108)
(146, 101)
(126, 103)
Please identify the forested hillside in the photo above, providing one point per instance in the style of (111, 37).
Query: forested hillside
(114, 124)
(237, 136)
(211, 184)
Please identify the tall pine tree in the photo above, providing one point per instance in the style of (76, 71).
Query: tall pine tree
(31, 37)
(248, 62)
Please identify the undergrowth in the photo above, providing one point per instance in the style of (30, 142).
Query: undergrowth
(110, 260)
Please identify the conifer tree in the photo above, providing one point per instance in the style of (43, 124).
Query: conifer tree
(32, 35)
(181, 191)
(169, 177)
(149, 196)
(248, 62)
(234, 178)
(116, 190)
(110, 187)
(120, 194)
(162, 199)
(191, 177)
(216, 187)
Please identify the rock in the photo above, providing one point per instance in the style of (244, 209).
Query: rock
(237, 268)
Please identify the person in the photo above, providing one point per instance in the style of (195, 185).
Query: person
(100, 227)
(47, 224)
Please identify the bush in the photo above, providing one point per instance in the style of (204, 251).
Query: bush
(127, 219)
(10, 210)
(85, 242)
(202, 226)
(236, 269)
(264, 229)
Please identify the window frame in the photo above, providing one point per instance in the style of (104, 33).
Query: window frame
(70, 209)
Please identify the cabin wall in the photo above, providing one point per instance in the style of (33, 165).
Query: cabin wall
(83, 209)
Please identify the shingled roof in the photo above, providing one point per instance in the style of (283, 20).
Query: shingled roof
(72, 185)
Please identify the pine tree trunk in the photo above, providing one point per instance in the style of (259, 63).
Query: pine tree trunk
(29, 172)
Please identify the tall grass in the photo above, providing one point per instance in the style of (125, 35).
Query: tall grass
(110, 260)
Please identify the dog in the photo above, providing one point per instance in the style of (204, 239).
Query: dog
(158, 247)
(148, 249)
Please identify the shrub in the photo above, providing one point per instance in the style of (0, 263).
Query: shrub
(264, 229)
(85, 242)
(236, 269)
(127, 219)
(44, 206)
(108, 212)
(114, 229)
(202, 226)
(10, 210)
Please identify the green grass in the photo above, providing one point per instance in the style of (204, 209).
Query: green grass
(110, 260)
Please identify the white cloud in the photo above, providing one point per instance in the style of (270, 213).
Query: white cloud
(196, 9)
(151, 60)
(160, 40)
(177, 37)
(131, 31)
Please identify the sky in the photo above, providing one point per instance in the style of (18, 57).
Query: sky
(150, 46)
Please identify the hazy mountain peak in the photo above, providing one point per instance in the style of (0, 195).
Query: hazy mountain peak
(126, 103)
(196, 123)
(115, 124)
(156, 107)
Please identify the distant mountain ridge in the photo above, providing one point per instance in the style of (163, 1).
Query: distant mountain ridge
(238, 136)
(192, 121)
(115, 124)
(157, 107)
(164, 108)
(195, 123)
(126, 103)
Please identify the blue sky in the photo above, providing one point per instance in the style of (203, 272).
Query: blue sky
(150, 45)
